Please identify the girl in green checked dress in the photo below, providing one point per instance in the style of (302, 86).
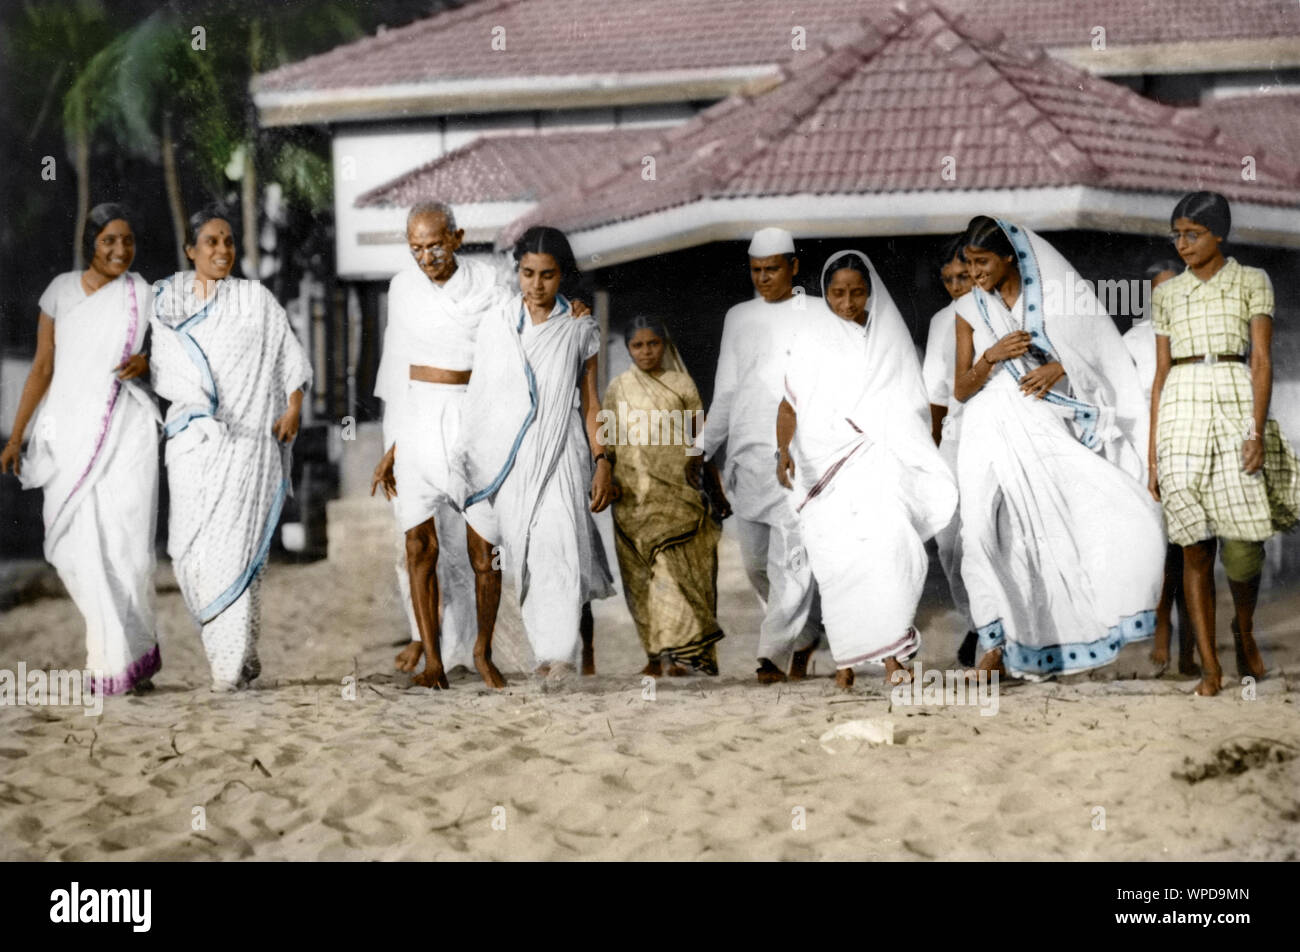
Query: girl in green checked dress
(1219, 465)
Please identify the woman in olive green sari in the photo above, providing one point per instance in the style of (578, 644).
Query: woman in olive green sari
(665, 537)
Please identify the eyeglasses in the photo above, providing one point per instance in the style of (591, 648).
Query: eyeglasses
(1191, 236)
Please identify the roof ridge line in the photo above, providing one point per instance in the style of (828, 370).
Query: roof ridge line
(998, 42)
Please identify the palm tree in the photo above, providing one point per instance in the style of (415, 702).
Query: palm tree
(54, 41)
(139, 87)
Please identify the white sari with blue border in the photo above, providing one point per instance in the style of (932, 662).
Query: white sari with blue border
(228, 366)
(1063, 547)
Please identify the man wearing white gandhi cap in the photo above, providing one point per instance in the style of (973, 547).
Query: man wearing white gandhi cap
(747, 390)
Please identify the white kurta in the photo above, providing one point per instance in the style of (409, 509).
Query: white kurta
(1063, 549)
(938, 372)
(523, 447)
(748, 387)
(433, 325)
(871, 485)
(94, 452)
(228, 366)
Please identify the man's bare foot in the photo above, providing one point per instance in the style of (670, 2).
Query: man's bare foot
(1160, 659)
(431, 677)
(676, 670)
(488, 671)
(799, 664)
(1210, 684)
(844, 679)
(992, 661)
(895, 673)
(768, 673)
(1189, 668)
(408, 659)
(654, 667)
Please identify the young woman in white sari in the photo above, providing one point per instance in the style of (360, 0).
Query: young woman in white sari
(530, 454)
(853, 432)
(226, 358)
(1063, 550)
(94, 451)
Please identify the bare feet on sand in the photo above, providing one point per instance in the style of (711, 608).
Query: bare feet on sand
(1210, 684)
(895, 673)
(768, 673)
(676, 670)
(799, 664)
(431, 677)
(492, 677)
(844, 679)
(992, 661)
(654, 667)
(408, 659)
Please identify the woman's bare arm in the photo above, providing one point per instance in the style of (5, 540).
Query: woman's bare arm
(1163, 362)
(1261, 385)
(38, 382)
(602, 482)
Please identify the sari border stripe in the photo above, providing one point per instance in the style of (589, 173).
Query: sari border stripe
(228, 597)
(487, 491)
(115, 390)
(1068, 657)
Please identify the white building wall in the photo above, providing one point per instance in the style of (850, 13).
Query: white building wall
(369, 241)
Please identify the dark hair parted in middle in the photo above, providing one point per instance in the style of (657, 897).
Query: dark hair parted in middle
(842, 260)
(97, 218)
(984, 232)
(1205, 208)
(213, 212)
(645, 322)
(544, 240)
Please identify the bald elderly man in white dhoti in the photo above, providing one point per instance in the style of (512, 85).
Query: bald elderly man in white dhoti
(748, 388)
(434, 309)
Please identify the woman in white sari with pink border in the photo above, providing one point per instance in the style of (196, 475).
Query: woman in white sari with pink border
(94, 451)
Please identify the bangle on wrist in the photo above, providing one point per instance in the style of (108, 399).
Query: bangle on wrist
(602, 456)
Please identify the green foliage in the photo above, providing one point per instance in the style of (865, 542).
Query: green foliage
(305, 176)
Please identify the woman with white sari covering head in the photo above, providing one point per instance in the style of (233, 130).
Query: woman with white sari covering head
(665, 537)
(94, 451)
(226, 358)
(854, 443)
(530, 446)
(1063, 550)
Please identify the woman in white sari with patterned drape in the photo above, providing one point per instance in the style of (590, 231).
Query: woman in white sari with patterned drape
(94, 451)
(1063, 548)
(226, 358)
(854, 433)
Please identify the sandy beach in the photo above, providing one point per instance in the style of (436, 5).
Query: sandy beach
(312, 765)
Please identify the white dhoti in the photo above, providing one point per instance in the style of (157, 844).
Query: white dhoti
(948, 539)
(777, 566)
